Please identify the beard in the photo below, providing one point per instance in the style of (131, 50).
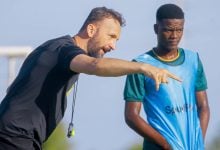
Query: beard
(94, 48)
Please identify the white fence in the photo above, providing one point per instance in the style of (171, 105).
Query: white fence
(11, 58)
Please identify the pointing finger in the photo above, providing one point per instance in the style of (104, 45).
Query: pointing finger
(157, 82)
(173, 77)
(157, 85)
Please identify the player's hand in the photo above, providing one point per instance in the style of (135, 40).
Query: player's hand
(168, 147)
(158, 75)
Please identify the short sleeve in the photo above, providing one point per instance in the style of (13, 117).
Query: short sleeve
(67, 53)
(201, 82)
(134, 87)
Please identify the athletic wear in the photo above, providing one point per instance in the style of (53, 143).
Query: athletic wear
(17, 143)
(172, 110)
(36, 100)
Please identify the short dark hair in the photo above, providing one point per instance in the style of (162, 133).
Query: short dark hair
(169, 11)
(100, 13)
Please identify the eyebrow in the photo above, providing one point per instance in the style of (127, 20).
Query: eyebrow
(114, 36)
(168, 27)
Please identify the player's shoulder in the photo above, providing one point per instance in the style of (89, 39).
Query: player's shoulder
(185, 50)
(143, 57)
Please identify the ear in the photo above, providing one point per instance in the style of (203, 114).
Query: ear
(91, 29)
(156, 28)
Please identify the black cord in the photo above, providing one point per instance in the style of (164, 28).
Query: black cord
(71, 125)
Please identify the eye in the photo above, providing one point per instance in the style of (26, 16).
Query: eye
(179, 30)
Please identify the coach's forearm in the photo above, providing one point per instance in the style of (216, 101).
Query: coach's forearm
(116, 67)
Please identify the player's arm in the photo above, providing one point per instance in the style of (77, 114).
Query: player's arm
(201, 97)
(203, 110)
(137, 123)
(117, 67)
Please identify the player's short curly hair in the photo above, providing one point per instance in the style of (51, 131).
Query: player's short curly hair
(169, 11)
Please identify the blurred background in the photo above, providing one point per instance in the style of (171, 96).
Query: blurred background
(99, 112)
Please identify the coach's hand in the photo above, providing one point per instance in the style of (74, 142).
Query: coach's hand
(159, 75)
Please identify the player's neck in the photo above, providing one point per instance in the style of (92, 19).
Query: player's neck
(166, 55)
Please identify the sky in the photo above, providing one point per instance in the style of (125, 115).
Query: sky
(99, 112)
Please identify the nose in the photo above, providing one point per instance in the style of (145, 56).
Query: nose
(113, 45)
(174, 34)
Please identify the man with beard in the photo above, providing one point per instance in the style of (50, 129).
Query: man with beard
(36, 101)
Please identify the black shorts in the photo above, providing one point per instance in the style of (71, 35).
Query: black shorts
(151, 146)
(18, 143)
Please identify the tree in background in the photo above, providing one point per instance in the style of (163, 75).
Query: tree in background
(136, 147)
(215, 144)
(58, 140)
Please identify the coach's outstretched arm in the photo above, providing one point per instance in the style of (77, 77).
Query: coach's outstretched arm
(116, 67)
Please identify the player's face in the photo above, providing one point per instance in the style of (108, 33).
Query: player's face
(105, 37)
(169, 33)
